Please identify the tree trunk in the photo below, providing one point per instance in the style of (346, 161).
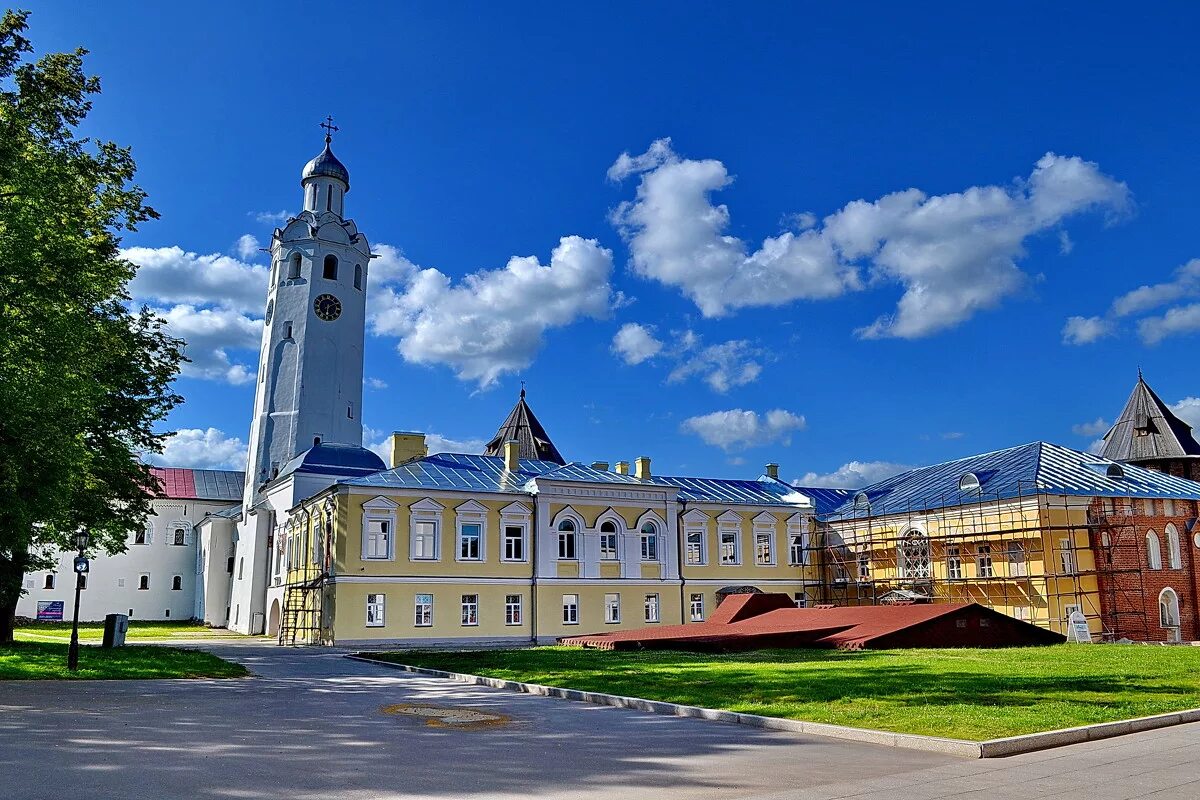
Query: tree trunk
(12, 573)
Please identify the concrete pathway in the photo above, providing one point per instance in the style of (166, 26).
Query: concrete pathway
(310, 725)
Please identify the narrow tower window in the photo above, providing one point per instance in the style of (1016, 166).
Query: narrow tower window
(330, 269)
(329, 199)
(358, 276)
(294, 267)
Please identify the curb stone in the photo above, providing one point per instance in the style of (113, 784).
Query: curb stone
(992, 748)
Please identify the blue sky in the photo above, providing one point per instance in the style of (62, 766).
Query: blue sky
(877, 233)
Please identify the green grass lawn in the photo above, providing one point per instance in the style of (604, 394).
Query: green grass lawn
(94, 631)
(965, 694)
(48, 660)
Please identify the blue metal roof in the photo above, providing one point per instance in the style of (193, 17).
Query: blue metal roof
(233, 512)
(722, 490)
(1023, 471)
(335, 459)
(585, 473)
(825, 500)
(456, 471)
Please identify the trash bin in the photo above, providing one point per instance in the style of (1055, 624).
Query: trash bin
(115, 628)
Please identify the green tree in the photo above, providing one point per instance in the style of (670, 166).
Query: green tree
(83, 378)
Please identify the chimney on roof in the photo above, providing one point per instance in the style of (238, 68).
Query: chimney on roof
(773, 471)
(405, 446)
(512, 455)
(622, 467)
(600, 465)
(641, 468)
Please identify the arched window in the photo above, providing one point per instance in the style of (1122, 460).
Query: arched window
(1168, 608)
(649, 542)
(358, 276)
(914, 555)
(566, 539)
(330, 268)
(177, 583)
(329, 199)
(294, 267)
(1153, 551)
(969, 483)
(1173, 554)
(608, 540)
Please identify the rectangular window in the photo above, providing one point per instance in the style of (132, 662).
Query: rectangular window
(424, 540)
(651, 608)
(142, 536)
(764, 549)
(983, 560)
(512, 609)
(375, 610)
(796, 549)
(649, 547)
(612, 608)
(470, 609)
(1022, 613)
(864, 567)
(570, 609)
(470, 536)
(514, 543)
(178, 537)
(953, 562)
(1068, 610)
(608, 546)
(729, 547)
(379, 534)
(566, 545)
(697, 608)
(695, 547)
(423, 611)
(1066, 556)
(1017, 568)
(801, 599)
(49, 583)
(143, 582)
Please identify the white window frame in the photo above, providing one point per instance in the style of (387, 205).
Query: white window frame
(176, 578)
(514, 613)
(985, 567)
(696, 607)
(729, 523)
(863, 560)
(652, 608)
(914, 555)
(379, 509)
(1172, 619)
(423, 611)
(560, 537)
(425, 511)
(612, 608)
(469, 610)
(470, 513)
(376, 608)
(800, 599)
(514, 516)
(570, 607)
(1153, 551)
(181, 531)
(1066, 557)
(649, 554)
(695, 523)
(612, 553)
(953, 562)
(145, 588)
(147, 535)
(1174, 556)
(1018, 560)
(797, 533)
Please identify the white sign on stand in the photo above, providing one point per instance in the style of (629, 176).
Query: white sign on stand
(1077, 628)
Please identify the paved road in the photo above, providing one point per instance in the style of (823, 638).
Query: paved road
(310, 726)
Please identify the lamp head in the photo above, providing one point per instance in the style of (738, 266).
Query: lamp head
(81, 540)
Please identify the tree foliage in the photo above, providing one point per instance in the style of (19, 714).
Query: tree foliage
(84, 378)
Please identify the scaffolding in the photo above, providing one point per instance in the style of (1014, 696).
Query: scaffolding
(1033, 555)
(306, 548)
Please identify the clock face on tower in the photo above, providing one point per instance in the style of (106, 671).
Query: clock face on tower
(327, 307)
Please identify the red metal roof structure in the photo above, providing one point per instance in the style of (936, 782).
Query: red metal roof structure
(199, 484)
(757, 621)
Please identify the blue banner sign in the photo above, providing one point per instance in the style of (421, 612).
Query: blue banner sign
(50, 610)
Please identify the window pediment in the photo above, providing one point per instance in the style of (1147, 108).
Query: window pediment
(471, 507)
(380, 503)
(515, 510)
(427, 505)
(695, 517)
(765, 518)
(730, 517)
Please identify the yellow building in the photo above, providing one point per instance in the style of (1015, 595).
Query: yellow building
(504, 549)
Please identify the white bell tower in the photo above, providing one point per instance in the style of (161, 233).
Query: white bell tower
(310, 369)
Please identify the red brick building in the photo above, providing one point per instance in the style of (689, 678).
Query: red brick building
(1152, 590)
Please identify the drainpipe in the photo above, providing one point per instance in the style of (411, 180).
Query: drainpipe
(683, 614)
(533, 559)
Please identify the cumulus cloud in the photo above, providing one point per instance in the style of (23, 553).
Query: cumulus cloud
(376, 383)
(247, 247)
(1177, 321)
(1095, 428)
(492, 322)
(209, 336)
(1186, 283)
(636, 343)
(853, 475)
(271, 217)
(737, 429)
(954, 254)
(172, 275)
(201, 448)
(1188, 410)
(1085, 330)
(377, 441)
(721, 366)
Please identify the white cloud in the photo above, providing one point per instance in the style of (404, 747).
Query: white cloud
(389, 266)
(1188, 410)
(247, 247)
(492, 322)
(271, 217)
(209, 335)
(171, 275)
(1177, 321)
(737, 429)
(1065, 245)
(853, 475)
(1185, 284)
(376, 383)
(377, 441)
(722, 366)
(635, 343)
(1095, 428)
(1096, 447)
(954, 254)
(201, 448)
(1085, 330)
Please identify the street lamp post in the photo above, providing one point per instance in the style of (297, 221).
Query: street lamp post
(81, 568)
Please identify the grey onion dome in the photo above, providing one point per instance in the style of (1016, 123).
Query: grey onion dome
(326, 165)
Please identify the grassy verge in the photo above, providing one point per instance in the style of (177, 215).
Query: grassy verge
(48, 661)
(94, 631)
(966, 694)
